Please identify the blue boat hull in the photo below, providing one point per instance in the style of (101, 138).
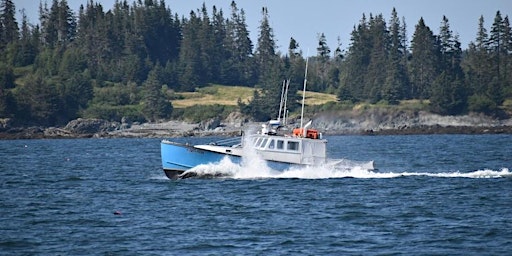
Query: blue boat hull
(178, 158)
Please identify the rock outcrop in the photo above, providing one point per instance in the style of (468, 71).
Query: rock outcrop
(367, 121)
(90, 126)
(383, 121)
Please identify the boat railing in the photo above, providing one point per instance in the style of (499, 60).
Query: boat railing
(230, 142)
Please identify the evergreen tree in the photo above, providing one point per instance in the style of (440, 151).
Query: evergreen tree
(377, 68)
(271, 71)
(449, 93)
(265, 51)
(507, 57)
(354, 69)
(27, 46)
(156, 105)
(295, 68)
(219, 53)
(239, 67)
(477, 67)
(320, 66)
(76, 92)
(498, 53)
(396, 78)
(38, 101)
(207, 47)
(9, 25)
(158, 30)
(7, 102)
(50, 24)
(424, 66)
(91, 35)
(192, 70)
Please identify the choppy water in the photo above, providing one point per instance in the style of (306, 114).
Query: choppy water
(431, 195)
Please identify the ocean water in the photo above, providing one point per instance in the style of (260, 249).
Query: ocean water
(430, 195)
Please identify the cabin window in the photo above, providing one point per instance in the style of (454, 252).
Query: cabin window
(264, 143)
(271, 145)
(293, 145)
(258, 142)
(280, 144)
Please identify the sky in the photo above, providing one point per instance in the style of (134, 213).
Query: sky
(304, 20)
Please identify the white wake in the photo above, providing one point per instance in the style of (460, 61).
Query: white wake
(254, 169)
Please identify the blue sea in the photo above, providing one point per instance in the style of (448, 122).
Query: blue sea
(430, 195)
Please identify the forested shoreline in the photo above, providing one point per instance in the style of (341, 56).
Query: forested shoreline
(130, 60)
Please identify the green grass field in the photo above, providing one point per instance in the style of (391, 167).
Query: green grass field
(229, 95)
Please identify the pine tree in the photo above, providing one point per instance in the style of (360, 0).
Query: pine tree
(7, 102)
(58, 23)
(355, 67)
(76, 92)
(239, 67)
(9, 25)
(396, 78)
(320, 66)
(424, 66)
(376, 76)
(477, 67)
(271, 73)
(191, 75)
(507, 57)
(498, 53)
(38, 101)
(207, 47)
(156, 106)
(448, 92)
(28, 44)
(295, 73)
(265, 52)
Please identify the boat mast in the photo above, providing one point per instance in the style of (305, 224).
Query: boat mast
(285, 100)
(304, 93)
(282, 101)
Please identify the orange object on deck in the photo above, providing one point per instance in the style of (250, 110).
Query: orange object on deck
(310, 133)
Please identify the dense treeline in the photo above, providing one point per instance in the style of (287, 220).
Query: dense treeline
(128, 62)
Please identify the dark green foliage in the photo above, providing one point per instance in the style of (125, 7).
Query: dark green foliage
(355, 67)
(424, 65)
(265, 103)
(7, 102)
(8, 24)
(255, 108)
(38, 101)
(108, 112)
(131, 60)
(75, 93)
(481, 103)
(156, 105)
(26, 48)
(200, 113)
(449, 94)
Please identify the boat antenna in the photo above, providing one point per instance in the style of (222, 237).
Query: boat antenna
(282, 101)
(285, 100)
(304, 91)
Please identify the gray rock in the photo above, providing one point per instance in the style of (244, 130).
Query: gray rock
(5, 123)
(209, 124)
(89, 126)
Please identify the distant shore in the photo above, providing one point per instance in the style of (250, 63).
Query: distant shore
(371, 123)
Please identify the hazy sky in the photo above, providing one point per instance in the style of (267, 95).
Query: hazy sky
(304, 20)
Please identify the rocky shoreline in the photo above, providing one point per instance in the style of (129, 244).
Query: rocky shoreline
(368, 122)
